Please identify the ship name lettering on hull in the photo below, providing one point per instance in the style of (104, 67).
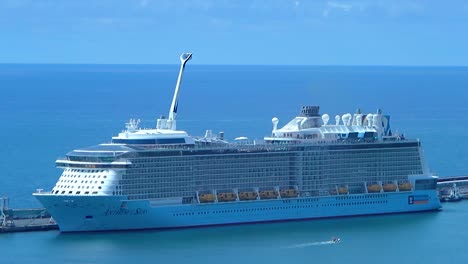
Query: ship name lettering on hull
(123, 211)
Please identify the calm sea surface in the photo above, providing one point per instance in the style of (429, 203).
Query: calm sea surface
(48, 110)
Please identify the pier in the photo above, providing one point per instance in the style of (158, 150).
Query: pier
(21, 220)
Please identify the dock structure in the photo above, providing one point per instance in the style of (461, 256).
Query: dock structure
(21, 220)
(451, 179)
(452, 189)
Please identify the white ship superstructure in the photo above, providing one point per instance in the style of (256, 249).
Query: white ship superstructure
(312, 167)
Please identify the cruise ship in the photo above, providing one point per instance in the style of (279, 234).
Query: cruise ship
(311, 167)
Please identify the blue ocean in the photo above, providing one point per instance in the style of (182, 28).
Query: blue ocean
(49, 110)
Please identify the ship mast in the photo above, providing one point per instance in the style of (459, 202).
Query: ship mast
(171, 122)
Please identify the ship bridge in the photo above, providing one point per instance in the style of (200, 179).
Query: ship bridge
(100, 153)
(102, 156)
(94, 170)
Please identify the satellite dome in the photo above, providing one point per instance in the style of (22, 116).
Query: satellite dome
(325, 119)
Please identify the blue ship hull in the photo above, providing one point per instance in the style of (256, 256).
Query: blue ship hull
(106, 213)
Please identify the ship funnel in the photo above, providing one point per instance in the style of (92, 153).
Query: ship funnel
(171, 122)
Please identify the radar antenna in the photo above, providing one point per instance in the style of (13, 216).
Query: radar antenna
(171, 122)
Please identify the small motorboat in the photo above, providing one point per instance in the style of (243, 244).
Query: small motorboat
(336, 240)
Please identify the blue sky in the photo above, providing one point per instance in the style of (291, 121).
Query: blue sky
(356, 32)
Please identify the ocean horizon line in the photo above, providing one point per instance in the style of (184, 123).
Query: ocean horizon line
(244, 65)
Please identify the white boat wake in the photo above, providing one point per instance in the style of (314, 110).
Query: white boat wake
(329, 242)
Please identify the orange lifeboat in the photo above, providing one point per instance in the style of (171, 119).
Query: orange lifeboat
(342, 190)
(405, 186)
(226, 197)
(374, 188)
(389, 187)
(288, 193)
(268, 194)
(246, 196)
(206, 198)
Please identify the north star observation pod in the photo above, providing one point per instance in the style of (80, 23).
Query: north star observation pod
(171, 122)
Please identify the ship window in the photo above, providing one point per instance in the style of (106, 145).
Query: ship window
(429, 184)
(78, 192)
(86, 192)
(99, 187)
